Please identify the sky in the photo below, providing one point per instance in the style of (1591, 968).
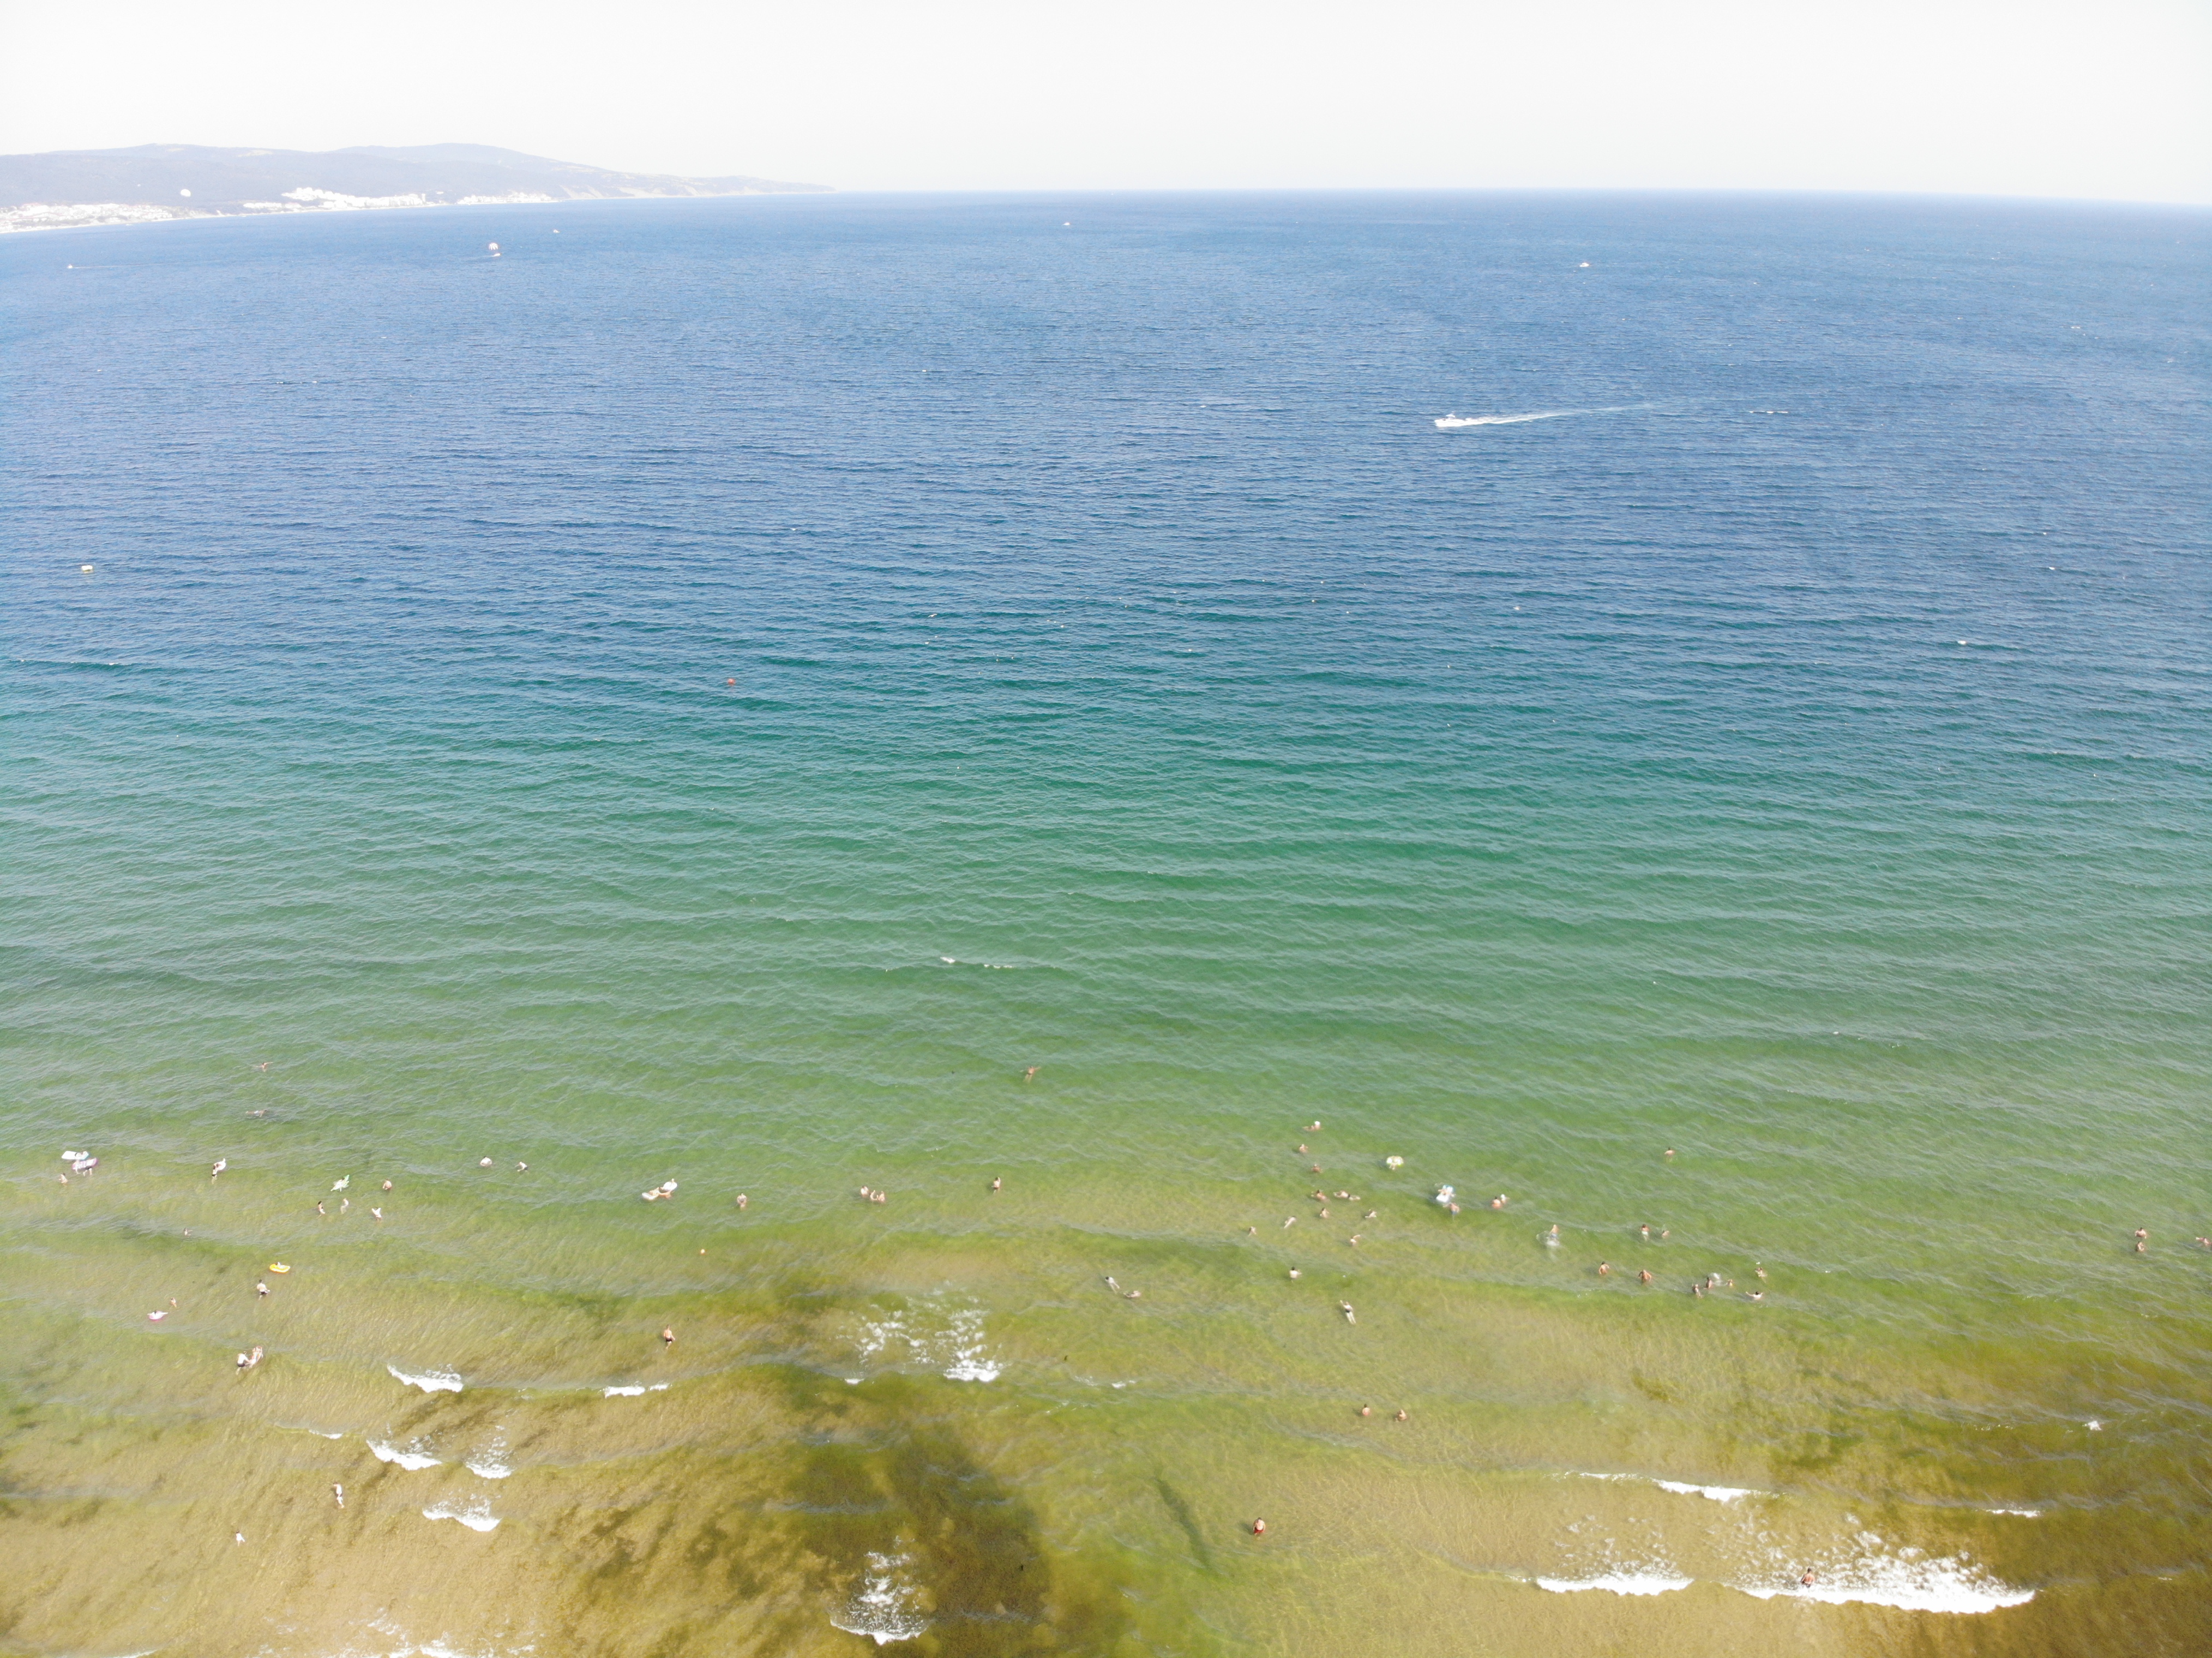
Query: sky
(2111, 100)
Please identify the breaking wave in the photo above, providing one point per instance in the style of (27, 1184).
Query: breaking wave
(430, 1382)
(1617, 1582)
(1907, 1579)
(412, 1457)
(956, 1350)
(882, 1608)
(476, 1513)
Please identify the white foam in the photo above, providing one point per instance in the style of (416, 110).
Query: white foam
(633, 1392)
(1946, 1584)
(2025, 1514)
(491, 1463)
(432, 1381)
(957, 1351)
(1617, 1582)
(1681, 1487)
(412, 1458)
(883, 1606)
(476, 1513)
(1715, 1493)
(970, 1362)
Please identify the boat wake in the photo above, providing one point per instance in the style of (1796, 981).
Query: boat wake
(1460, 422)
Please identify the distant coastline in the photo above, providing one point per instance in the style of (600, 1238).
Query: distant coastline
(155, 183)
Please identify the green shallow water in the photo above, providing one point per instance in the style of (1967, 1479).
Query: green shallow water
(1151, 696)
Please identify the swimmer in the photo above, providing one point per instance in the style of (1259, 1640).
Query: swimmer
(220, 1164)
(1366, 1409)
(387, 1186)
(1251, 1231)
(261, 1287)
(319, 1206)
(1761, 1271)
(1643, 1275)
(1605, 1269)
(340, 1184)
(1401, 1416)
(1662, 1235)
(1552, 1237)
(667, 1336)
(345, 1206)
(1315, 1169)
(1353, 1240)
(262, 1113)
(1322, 1216)
(1500, 1201)
(1292, 1221)
(1393, 1162)
(2142, 1247)
(997, 1182)
(867, 1192)
(880, 1197)
(1111, 1284)
(378, 1213)
(1350, 1317)
(1758, 1295)
(1314, 1127)
(1807, 1579)
(1670, 1151)
(483, 1162)
(1452, 1207)
(338, 1492)
(263, 1066)
(1133, 1294)
(2204, 1243)
(1644, 1232)
(1030, 1074)
(521, 1167)
(1698, 1289)
(1294, 1272)
(1302, 1145)
(1345, 1196)
(1369, 1215)
(743, 1199)
(1259, 1528)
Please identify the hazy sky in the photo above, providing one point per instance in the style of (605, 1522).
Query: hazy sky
(2112, 99)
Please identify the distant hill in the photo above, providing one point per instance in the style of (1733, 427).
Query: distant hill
(182, 181)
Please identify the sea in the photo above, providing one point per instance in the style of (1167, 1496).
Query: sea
(1251, 925)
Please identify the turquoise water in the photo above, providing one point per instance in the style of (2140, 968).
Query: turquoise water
(722, 691)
